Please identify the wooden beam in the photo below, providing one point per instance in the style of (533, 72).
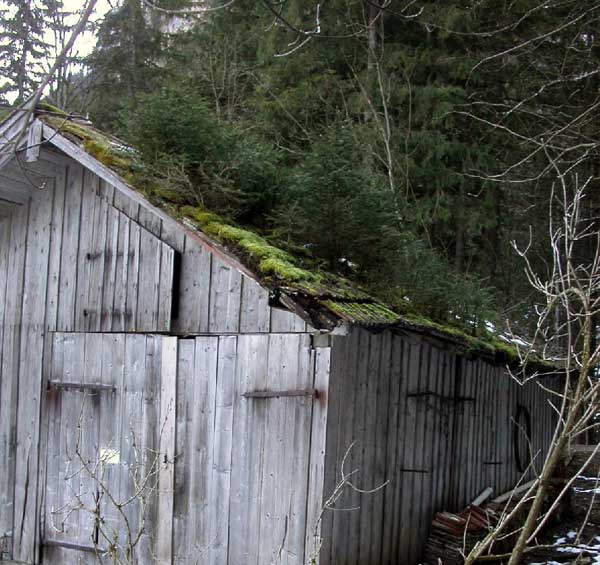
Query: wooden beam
(318, 443)
(10, 129)
(11, 196)
(45, 168)
(167, 446)
(52, 154)
(7, 209)
(21, 185)
(74, 546)
(34, 141)
(62, 385)
(513, 493)
(38, 172)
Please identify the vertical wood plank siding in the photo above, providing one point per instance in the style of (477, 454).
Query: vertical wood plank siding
(120, 426)
(180, 403)
(436, 427)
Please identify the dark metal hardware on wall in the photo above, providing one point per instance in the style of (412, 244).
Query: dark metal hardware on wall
(75, 546)
(83, 387)
(128, 314)
(107, 255)
(261, 394)
(422, 471)
(522, 438)
(426, 393)
(492, 462)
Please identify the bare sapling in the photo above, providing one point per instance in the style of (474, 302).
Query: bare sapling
(118, 510)
(564, 338)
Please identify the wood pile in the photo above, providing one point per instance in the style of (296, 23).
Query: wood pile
(453, 535)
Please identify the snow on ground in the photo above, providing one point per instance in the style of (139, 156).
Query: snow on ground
(586, 489)
(566, 544)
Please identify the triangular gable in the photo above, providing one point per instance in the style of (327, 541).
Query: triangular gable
(224, 295)
(40, 133)
(53, 137)
(289, 298)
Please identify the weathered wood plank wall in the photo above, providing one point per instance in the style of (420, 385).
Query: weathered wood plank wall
(435, 425)
(79, 255)
(235, 486)
(54, 249)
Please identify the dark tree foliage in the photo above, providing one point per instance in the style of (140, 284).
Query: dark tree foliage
(385, 148)
(125, 63)
(224, 169)
(343, 212)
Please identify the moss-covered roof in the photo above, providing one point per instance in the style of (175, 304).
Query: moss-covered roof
(325, 297)
(5, 111)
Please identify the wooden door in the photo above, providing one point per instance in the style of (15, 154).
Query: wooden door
(250, 444)
(271, 466)
(102, 449)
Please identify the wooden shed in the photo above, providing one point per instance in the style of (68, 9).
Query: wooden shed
(162, 403)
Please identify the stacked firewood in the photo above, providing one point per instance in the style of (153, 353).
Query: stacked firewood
(453, 536)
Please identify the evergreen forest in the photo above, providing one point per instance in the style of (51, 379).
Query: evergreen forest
(403, 145)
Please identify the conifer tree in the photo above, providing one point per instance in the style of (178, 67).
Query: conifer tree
(124, 63)
(23, 48)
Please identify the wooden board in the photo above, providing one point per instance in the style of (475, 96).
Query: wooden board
(166, 470)
(30, 372)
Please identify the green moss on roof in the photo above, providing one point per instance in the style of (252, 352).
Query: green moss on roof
(271, 262)
(484, 344)
(107, 155)
(369, 313)
(98, 145)
(45, 107)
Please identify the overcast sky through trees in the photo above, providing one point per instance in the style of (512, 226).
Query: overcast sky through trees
(86, 41)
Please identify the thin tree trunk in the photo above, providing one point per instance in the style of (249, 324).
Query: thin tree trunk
(460, 231)
(557, 450)
(374, 39)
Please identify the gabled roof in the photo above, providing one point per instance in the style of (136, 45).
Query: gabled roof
(323, 298)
